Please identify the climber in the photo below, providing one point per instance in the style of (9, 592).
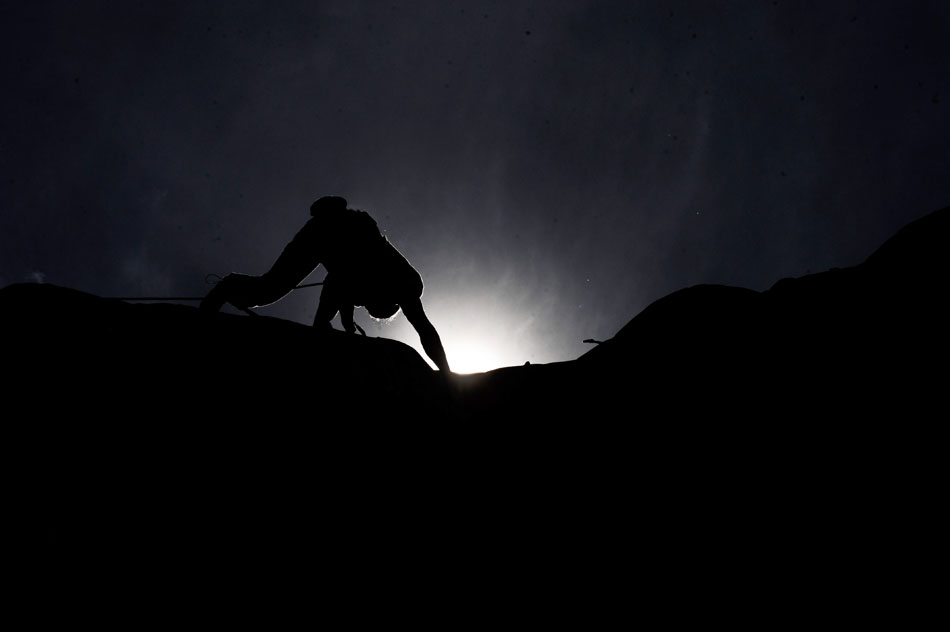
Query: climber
(363, 270)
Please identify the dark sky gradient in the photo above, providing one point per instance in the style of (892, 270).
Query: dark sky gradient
(550, 168)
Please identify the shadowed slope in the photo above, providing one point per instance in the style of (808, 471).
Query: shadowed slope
(856, 337)
(732, 449)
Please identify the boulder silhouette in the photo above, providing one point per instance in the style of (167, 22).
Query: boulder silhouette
(726, 448)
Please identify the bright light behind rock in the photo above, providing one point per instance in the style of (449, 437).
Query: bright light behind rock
(478, 333)
(469, 349)
(473, 356)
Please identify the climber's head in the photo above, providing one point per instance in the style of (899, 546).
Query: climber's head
(328, 206)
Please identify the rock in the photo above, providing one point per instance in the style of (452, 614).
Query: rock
(725, 442)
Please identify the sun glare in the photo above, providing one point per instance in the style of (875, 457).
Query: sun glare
(478, 334)
(470, 357)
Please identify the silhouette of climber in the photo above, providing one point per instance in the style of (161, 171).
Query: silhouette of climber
(363, 269)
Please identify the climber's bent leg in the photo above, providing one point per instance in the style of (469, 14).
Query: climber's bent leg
(244, 291)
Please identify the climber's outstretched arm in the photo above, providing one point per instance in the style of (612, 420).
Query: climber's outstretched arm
(427, 333)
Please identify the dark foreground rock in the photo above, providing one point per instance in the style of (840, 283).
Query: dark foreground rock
(729, 453)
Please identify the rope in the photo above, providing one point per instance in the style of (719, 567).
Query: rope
(187, 298)
(201, 298)
(156, 298)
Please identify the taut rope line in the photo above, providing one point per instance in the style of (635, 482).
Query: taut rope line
(187, 298)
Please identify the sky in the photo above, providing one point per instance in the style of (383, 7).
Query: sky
(550, 168)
